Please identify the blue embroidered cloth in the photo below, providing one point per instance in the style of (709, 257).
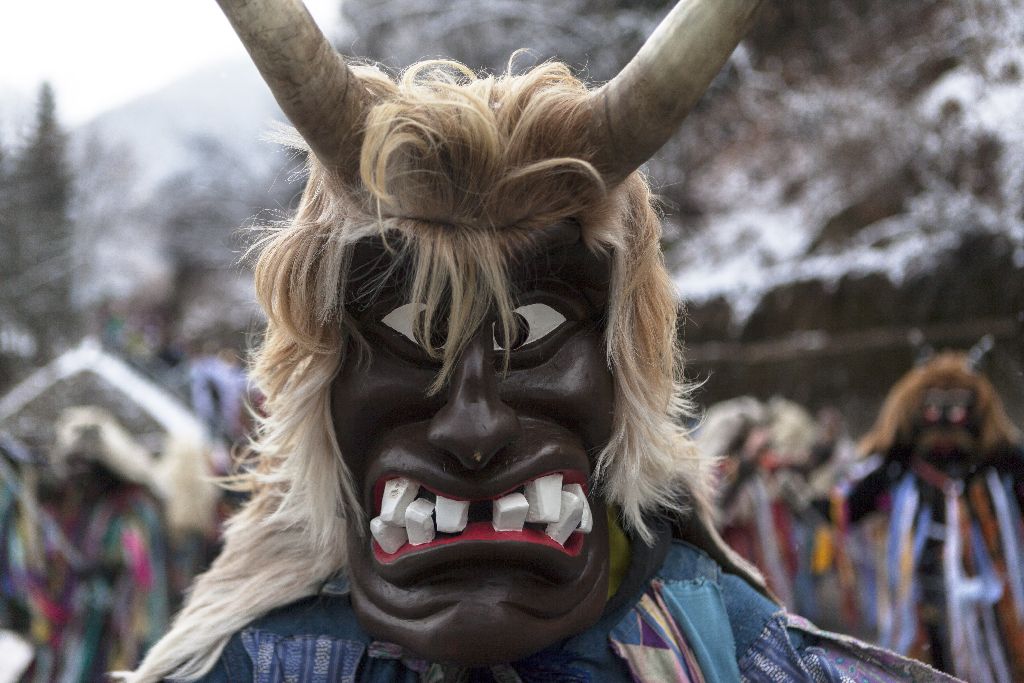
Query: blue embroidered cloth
(689, 623)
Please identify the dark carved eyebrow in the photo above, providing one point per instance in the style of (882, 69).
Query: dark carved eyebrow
(560, 254)
(557, 253)
(561, 235)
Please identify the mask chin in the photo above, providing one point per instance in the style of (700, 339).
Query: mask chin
(472, 612)
(949, 449)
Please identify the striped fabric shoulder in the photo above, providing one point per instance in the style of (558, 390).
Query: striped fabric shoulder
(651, 644)
(791, 649)
(302, 658)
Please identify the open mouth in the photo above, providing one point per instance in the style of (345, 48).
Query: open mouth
(548, 510)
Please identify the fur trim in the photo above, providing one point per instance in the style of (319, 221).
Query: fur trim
(184, 474)
(93, 432)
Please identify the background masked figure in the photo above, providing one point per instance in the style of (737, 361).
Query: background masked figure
(939, 521)
(760, 443)
(777, 473)
(84, 552)
(471, 465)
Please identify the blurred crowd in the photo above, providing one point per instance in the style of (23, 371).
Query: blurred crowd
(103, 528)
(910, 535)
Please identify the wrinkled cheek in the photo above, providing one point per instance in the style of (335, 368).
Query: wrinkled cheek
(598, 404)
(575, 389)
(368, 402)
(349, 410)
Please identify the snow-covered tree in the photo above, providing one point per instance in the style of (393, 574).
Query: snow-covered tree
(39, 258)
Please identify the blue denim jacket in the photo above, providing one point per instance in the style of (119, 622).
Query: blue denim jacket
(732, 633)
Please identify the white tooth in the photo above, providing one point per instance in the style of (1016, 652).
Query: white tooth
(587, 523)
(545, 498)
(398, 493)
(572, 513)
(418, 521)
(389, 537)
(452, 515)
(509, 512)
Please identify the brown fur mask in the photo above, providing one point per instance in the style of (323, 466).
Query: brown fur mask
(896, 423)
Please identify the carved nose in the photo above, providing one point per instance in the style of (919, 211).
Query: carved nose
(474, 424)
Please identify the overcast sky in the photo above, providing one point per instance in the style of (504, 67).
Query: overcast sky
(101, 53)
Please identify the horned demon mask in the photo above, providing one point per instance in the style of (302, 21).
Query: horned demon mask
(471, 348)
(943, 412)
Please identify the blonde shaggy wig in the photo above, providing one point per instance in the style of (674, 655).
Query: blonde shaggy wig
(458, 174)
(947, 370)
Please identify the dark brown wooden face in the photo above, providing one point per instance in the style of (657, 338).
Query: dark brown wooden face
(946, 429)
(481, 595)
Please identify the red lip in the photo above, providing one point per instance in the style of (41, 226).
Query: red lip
(483, 531)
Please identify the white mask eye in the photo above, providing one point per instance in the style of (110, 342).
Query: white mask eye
(403, 320)
(533, 322)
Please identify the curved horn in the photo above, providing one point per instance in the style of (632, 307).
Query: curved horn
(316, 90)
(639, 110)
(978, 352)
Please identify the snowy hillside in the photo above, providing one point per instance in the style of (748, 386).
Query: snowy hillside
(176, 174)
(755, 238)
(852, 192)
(228, 103)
